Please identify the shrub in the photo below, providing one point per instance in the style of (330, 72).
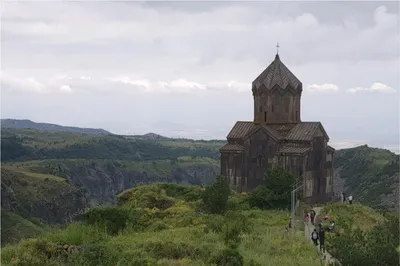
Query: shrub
(112, 219)
(228, 257)
(171, 250)
(215, 197)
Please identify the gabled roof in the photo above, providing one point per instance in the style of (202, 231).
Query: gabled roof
(271, 132)
(240, 129)
(305, 131)
(293, 149)
(277, 74)
(232, 147)
(330, 149)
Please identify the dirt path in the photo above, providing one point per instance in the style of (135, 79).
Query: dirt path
(308, 228)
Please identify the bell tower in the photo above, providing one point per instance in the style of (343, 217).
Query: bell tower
(277, 94)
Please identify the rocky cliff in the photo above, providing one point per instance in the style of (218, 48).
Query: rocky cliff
(104, 180)
(51, 200)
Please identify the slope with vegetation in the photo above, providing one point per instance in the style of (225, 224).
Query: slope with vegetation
(29, 201)
(363, 236)
(169, 224)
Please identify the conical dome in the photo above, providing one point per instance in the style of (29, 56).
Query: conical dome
(277, 74)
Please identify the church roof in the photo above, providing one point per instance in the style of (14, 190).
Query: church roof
(277, 74)
(292, 149)
(243, 128)
(240, 129)
(303, 131)
(232, 147)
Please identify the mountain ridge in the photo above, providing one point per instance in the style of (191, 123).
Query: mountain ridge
(29, 124)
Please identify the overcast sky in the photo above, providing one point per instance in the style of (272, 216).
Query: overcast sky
(185, 68)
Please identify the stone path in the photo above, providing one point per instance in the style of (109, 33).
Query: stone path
(308, 228)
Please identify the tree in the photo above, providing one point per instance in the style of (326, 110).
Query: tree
(275, 192)
(215, 197)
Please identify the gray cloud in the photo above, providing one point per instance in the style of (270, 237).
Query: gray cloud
(186, 67)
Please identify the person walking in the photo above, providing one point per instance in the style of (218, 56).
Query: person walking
(312, 216)
(350, 199)
(314, 237)
(344, 197)
(321, 236)
(331, 226)
(307, 218)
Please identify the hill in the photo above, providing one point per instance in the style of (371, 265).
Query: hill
(363, 236)
(371, 175)
(24, 123)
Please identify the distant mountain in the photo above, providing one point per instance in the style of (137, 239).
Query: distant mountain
(24, 123)
(150, 136)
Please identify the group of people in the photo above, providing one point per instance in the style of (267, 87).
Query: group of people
(349, 198)
(318, 235)
(310, 217)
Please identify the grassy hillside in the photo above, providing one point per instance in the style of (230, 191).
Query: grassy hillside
(371, 175)
(363, 236)
(170, 229)
(31, 200)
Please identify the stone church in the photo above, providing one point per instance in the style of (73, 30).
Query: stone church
(278, 138)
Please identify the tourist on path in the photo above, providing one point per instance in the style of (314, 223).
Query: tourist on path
(350, 199)
(312, 216)
(331, 226)
(321, 236)
(314, 237)
(344, 197)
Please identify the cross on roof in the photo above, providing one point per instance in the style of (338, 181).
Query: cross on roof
(277, 47)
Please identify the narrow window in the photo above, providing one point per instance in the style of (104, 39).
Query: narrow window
(272, 108)
(265, 116)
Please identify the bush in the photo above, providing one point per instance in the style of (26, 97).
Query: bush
(228, 257)
(171, 250)
(215, 197)
(112, 219)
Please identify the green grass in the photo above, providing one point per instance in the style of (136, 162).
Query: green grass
(177, 234)
(25, 170)
(353, 216)
(15, 227)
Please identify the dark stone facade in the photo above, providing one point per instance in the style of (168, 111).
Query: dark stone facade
(278, 138)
